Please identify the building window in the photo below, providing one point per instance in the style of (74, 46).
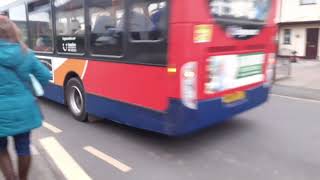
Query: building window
(287, 36)
(40, 25)
(306, 2)
(70, 26)
(106, 21)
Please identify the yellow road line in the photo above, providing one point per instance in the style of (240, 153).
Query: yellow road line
(66, 164)
(51, 128)
(121, 166)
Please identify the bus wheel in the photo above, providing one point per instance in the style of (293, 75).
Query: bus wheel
(75, 99)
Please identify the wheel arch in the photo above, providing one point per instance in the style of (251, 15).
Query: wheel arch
(69, 76)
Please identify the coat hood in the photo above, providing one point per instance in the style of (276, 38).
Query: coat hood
(11, 54)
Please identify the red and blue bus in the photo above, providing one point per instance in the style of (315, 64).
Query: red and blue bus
(167, 66)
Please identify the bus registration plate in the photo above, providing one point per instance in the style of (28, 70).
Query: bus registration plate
(237, 96)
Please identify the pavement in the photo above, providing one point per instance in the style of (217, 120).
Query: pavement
(302, 80)
(42, 168)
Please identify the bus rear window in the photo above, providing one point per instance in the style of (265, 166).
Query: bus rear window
(241, 19)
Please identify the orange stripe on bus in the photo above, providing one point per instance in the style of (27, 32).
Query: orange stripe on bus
(71, 65)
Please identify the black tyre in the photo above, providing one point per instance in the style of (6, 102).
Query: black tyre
(76, 100)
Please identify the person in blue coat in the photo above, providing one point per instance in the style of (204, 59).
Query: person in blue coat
(19, 110)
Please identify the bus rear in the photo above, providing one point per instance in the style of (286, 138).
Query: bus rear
(224, 52)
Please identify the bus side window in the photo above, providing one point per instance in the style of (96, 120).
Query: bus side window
(106, 20)
(40, 22)
(147, 20)
(158, 15)
(4, 13)
(70, 26)
(147, 38)
(140, 24)
(18, 15)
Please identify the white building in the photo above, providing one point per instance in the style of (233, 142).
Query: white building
(299, 28)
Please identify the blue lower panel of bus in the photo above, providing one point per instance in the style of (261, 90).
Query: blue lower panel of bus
(54, 93)
(178, 120)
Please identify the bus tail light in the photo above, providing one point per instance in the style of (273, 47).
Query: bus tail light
(271, 63)
(189, 85)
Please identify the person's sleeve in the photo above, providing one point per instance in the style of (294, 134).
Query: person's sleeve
(40, 71)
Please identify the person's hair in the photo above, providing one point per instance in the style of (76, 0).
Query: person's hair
(9, 31)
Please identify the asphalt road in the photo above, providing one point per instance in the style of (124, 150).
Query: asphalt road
(277, 141)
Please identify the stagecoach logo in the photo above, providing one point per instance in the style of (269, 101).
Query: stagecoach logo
(69, 46)
(239, 32)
